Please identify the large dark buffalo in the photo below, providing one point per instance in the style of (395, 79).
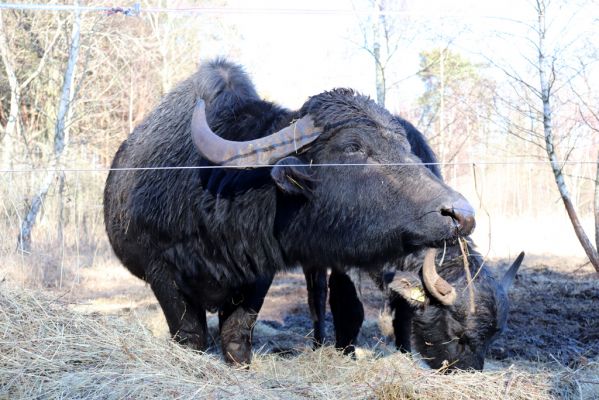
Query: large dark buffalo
(444, 327)
(187, 209)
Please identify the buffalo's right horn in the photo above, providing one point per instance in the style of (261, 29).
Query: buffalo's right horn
(509, 276)
(437, 286)
(251, 153)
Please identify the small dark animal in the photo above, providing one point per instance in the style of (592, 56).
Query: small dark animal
(430, 305)
(455, 334)
(188, 209)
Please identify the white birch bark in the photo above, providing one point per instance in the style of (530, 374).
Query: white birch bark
(549, 144)
(597, 205)
(60, 138)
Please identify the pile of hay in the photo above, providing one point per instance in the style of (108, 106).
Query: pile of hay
(49, 351)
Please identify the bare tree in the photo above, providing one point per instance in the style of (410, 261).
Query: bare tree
(553, 70)
(546, 70)
(13, 128)
(12, 125)
(586, 98)
(60, 137)
(383, 34)
(597, 205)
(456, 103)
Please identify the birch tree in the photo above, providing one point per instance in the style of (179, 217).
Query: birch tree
(60, 137)
(597, 205)
(555, 55)
(546, 70)
(384, 33)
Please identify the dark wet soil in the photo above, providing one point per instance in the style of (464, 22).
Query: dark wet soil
(554, 315)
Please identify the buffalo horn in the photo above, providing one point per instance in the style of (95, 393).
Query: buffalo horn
(509, 276)
(437, 286)
(251, 153)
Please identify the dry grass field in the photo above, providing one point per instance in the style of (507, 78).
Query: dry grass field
(74, 324)
(99, 334)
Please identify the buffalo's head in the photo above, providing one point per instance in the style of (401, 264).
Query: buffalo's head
(449, 329)
(354, 192)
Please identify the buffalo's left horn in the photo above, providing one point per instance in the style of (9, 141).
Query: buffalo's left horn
(251, 153)
(437, 286)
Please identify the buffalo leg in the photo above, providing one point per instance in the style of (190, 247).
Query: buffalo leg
(402, 322)
(399, 308)
(316, 281)
(186, 322)
(237, 319)
(347, 310)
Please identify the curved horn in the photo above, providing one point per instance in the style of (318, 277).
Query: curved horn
(437, 286)
(251, 153)
(509, 276)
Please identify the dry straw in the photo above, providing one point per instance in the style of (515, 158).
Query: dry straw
(48, 350)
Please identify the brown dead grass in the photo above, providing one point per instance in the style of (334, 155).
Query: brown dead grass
(47, 350)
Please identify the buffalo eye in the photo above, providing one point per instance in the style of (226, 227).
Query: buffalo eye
(352, 148)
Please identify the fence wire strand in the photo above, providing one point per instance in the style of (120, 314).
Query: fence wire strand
(253, 166)
(136, 9)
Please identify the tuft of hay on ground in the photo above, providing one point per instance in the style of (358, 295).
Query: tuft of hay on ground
(48, 350)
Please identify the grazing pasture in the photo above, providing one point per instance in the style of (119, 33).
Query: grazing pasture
(102, 335)
(505, 96)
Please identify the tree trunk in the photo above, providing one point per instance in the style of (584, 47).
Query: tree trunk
(380, 79)
(442, 146)
(60, 225)
(60, 138)
(597, 205)
(12, 125)
(549, 145)
(24, 239)
(379, 53)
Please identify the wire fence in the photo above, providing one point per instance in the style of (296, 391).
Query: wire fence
(137, 9)
(316, 165)
(517, 205)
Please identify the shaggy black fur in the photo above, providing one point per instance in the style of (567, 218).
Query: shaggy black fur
(452, 333)
(437, 332)
(209, 238)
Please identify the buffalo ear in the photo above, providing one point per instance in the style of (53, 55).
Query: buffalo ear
(293, 176)
(508, 278)
(409, 286)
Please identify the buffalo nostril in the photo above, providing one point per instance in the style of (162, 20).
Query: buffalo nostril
(463, 214)
(448, 212)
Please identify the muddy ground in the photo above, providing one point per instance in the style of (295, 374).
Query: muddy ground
(554, 316)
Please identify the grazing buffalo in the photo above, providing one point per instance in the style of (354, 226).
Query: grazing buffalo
(217, 190)
(454, 329)
(431, 307)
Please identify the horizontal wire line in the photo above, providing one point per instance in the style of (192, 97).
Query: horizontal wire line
(249, 166)
(136, 9)
(60, 7)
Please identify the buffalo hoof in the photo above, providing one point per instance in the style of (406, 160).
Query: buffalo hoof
(349, 351)
(193, 340)
(236, 337)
